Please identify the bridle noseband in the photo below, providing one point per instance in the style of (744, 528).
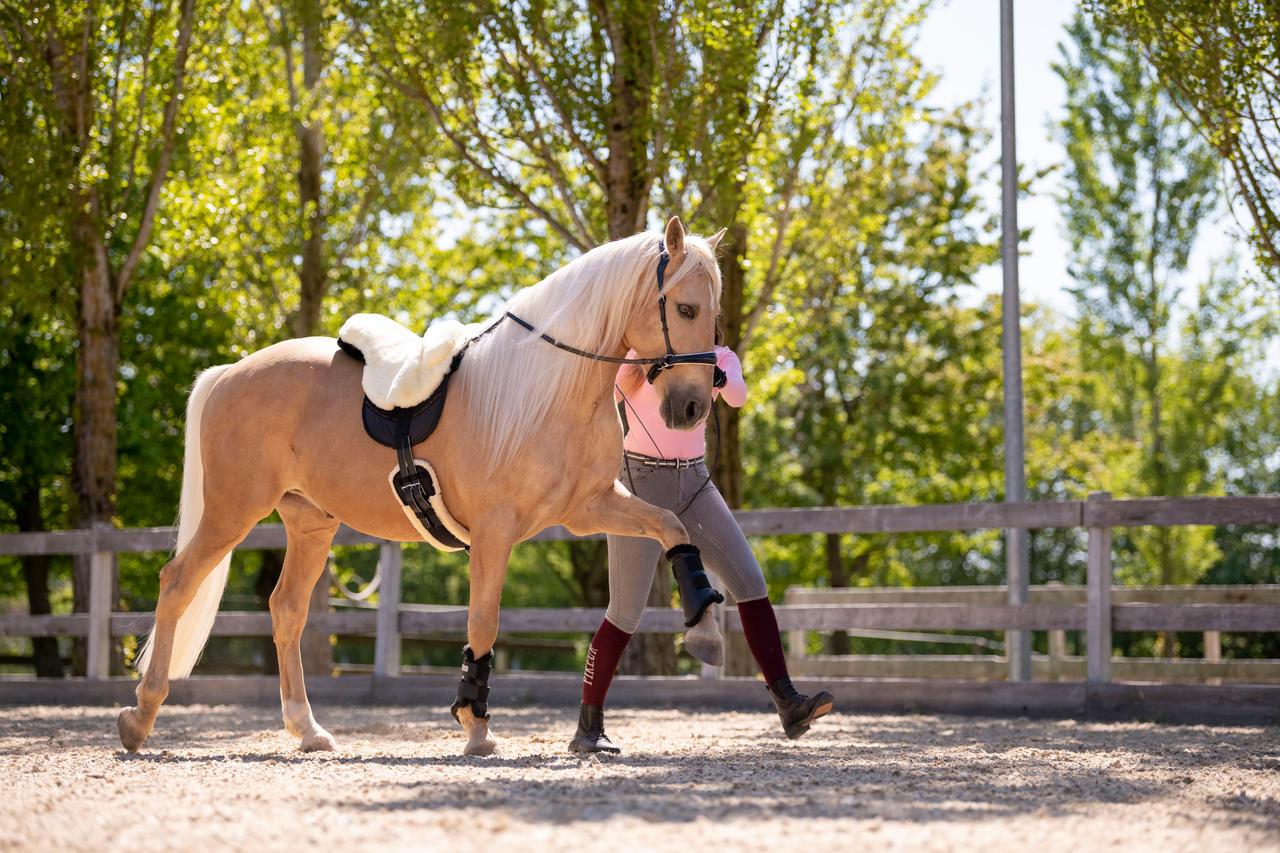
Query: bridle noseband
(658, 363)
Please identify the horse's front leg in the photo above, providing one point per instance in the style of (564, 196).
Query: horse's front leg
(490, 553)
(620, 512)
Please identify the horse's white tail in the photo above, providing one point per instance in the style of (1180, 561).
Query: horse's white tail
(196, 622)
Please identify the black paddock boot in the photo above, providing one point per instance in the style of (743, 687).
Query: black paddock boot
(590, 736)
(696, 592)
(797, 710)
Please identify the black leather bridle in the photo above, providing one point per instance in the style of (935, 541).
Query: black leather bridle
(658, 363)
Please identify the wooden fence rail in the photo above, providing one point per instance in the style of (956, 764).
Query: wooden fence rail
(1098, 608)
(1210, 609)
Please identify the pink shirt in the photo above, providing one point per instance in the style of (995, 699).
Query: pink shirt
(648, 434)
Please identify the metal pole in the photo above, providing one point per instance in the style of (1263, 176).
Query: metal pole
(1017, 542)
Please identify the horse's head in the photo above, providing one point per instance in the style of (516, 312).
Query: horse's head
(690, 300)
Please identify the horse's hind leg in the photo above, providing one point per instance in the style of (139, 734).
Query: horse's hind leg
(180, 579)
(310, 533)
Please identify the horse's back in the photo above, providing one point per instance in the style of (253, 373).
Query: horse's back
(287, 419)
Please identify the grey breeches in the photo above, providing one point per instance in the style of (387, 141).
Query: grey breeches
(712, 528)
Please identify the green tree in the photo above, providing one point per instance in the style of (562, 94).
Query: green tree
(872, 382)
(1220, 62)
(37, 377)
(100, 85)
(1137, 188)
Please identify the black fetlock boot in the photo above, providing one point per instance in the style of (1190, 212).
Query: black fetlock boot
(590, 736)
(696, 593)
(797, 710)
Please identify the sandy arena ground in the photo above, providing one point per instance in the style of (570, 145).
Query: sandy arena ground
(228, 777)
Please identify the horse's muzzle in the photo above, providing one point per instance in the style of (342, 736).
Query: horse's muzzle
(683, 407)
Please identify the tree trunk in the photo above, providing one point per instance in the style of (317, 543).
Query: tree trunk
(590, 564)
(313, 275)
(628, 177)
(727, 464)
(35, 570)
(268, 576)
(317, 646)
(728, 460)
(628, 172)
(101, 289)
(313, 284)
(93, 470)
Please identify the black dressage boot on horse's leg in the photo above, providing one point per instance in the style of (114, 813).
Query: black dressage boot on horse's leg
(471, 708)
(797, 710)
(696, 592)
(590, 736)
(696, 596)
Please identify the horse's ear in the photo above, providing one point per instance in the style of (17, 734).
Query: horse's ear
(715, 240)
(675, 236)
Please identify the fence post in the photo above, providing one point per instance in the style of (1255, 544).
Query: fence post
(797, 641)
(1098, 617)
(1057, 646)
(98, 664)
(1213, 652)
(386, 643)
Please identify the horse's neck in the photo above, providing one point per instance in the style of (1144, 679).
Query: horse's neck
(516, 386)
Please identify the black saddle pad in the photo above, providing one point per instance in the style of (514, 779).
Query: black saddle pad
(381, 424)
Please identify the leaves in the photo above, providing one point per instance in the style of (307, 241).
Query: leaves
(1218, 62)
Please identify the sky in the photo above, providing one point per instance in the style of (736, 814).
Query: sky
(961, 40)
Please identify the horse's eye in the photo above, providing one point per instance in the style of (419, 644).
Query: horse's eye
(688, 311)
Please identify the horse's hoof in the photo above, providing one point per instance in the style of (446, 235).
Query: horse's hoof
(481, 746)
(706, 649)
(479, 741)
(132, 731)
(320, 741)
(705, 642)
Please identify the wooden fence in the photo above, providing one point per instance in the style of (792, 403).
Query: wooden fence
(1098, 609)
(1056, 665)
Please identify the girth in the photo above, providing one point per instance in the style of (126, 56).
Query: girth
(402, 428)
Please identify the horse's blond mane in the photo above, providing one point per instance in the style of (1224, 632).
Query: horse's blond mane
(513, 379)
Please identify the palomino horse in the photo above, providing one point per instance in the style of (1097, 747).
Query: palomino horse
(529, 438)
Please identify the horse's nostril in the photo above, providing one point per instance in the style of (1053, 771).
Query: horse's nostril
(692, 410)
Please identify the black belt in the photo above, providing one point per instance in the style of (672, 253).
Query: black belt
(655, 462)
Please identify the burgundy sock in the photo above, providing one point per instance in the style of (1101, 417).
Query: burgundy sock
(761, 628)
(605, 651)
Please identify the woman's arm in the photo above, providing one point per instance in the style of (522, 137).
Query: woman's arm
(735, 390)
(630, 378)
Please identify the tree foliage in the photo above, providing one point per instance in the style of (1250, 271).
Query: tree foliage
(1136, 193)
(1220, 62)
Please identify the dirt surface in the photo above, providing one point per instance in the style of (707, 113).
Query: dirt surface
(228, 777)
